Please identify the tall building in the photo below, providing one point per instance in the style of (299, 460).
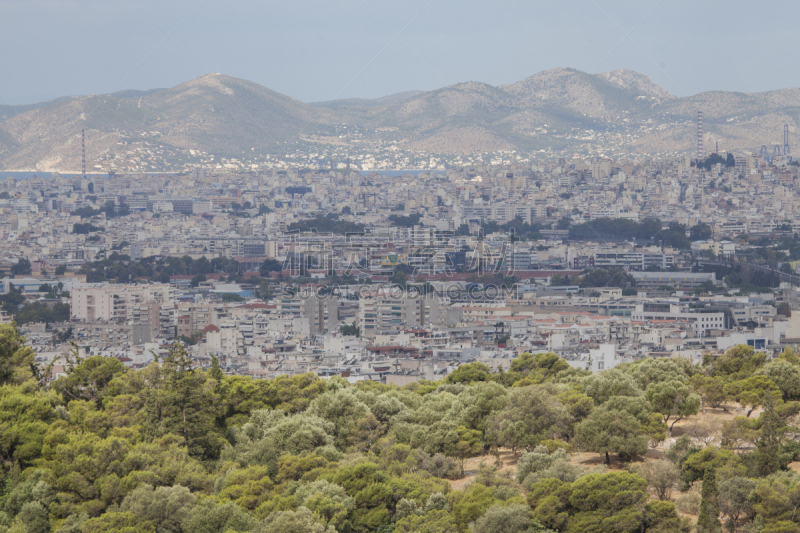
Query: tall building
(701, 153)
(117, 303)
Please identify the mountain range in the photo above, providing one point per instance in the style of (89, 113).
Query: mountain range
(559, 109)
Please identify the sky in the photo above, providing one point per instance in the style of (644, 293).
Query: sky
(315, 50)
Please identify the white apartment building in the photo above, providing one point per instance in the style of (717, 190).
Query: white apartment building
(117, 302)
(633, 260)
(614, 212)
(500, 212)
(702, 323)
(379, 312)
(517, 260)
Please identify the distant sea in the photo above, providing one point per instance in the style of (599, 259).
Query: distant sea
(29, 175)
(397, 173)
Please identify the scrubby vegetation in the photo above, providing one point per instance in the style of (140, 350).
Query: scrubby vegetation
(172, 448)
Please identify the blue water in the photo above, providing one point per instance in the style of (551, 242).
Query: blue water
(397, 173)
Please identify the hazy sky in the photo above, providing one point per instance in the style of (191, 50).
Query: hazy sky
(320, 50)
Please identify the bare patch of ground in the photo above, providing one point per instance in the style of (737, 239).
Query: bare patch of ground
(712, 418)
(508, 463)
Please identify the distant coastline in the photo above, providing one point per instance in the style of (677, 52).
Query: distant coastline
(26, 175)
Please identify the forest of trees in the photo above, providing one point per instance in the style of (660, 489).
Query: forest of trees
(405, 221)
(326, 224)
(85, 228)
(713, 159)
(517, 227)
(619, 229)
(23, 311)
(109, 208)
(21, 268)
(608, 228)
(120, 269)
(172, 448)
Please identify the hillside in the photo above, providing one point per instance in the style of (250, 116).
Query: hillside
(581, 93)
(214, 113)
(368, 102)
(557, 109)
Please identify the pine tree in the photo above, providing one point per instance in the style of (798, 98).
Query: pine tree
(708, 521)
(215, 373)
(184, 405)
(768, 447)
(17, 359)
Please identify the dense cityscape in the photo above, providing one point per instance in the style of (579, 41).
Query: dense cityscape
(418, 267)
(263, 270)
(419, 281)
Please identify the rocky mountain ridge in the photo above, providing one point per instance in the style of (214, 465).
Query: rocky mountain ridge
(555, 110)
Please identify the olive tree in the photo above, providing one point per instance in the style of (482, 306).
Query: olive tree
(507, 519)
(530, 416)
(603, 385)
(539, 464)
(327, 500)
(673, 400)
(300, 521)
(165, 507)
(662, 476)
(785, 375)
(611, 431)
(734, 499)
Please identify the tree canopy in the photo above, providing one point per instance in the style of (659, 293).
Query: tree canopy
(177, 448)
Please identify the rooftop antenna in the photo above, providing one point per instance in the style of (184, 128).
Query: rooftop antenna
(700, 150)
(83, 153)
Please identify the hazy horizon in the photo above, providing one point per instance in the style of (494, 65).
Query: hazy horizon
(315, 51)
